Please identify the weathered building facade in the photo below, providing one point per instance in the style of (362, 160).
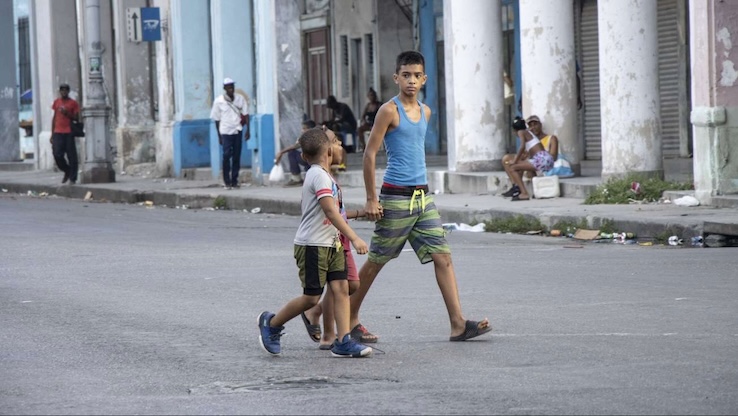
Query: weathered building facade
(628, 86)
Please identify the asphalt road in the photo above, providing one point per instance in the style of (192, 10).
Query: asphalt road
(110, 308)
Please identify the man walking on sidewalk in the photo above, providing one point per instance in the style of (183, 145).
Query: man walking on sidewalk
(231, 115)
(62, 140)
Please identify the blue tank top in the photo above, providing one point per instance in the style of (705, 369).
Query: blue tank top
(406, 150)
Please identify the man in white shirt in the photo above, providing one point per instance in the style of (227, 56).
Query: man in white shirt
(231, 115)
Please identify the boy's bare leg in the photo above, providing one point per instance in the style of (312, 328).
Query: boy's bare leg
(293, 308)
(329, 331)
(313, 314)
(367, 274)
(446, 279)
(341, 306)
(329, 327)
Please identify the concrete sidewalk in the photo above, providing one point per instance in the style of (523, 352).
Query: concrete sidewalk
(647, 221)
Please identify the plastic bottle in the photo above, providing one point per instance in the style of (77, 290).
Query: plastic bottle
(698, 241)
(675, 241)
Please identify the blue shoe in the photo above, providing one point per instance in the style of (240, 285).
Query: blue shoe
(269, 336)
(348, 348)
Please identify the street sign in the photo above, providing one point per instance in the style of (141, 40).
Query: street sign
(150, 24)
(133, 24)
(143, 24)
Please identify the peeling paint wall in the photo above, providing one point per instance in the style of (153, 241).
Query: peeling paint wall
(549, 69)
(629, 88)
(726, 53)
(164, 94)
(713, 35)
(474, 85)
(9, 137)
(134, 133)
(394, 35)
(57, 61)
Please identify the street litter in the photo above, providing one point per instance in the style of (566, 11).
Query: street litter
(675, 241)
(277, 173)
(256, 210)
(687, 201)
(88, 196)
(582, 234)
(452, 226)
(43, 194)
(4, 190)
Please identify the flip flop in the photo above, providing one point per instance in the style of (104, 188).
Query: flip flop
(325, 347)
(518, 198)
(361, 334)
(471, 330)
(313, 330)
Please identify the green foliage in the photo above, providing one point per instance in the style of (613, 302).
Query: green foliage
(569, 226)
(608, 226)
(618, 190)
(663, 237)
(220, 203)
(517, 224)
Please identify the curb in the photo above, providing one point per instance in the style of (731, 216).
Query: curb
(686, 228)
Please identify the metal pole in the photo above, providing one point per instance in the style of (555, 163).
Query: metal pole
(97, 166)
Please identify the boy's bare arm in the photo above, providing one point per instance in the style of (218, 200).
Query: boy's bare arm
(382, 122)
(328, 205)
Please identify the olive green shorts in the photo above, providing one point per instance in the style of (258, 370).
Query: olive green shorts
(319, 265)
(414, 219)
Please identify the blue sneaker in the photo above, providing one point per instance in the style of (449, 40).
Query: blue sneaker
(269, 336)
(349, 348)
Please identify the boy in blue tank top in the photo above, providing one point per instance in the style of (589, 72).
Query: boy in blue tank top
(404, 211)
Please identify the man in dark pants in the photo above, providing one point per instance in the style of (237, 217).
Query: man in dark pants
(231, 115)
(62, 140)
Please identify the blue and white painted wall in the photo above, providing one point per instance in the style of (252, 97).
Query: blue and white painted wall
(233, 57)
(193, 81)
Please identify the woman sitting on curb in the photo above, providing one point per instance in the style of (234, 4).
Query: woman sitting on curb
(538, 159)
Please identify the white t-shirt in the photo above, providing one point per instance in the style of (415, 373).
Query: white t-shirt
(229, 113)
(315, 228)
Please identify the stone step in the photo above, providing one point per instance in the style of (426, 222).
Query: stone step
(17, 166)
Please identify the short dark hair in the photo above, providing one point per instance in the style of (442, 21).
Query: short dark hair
(313, 141)
(409, 58)
(64, 87)
(309, 124)
(331, 101)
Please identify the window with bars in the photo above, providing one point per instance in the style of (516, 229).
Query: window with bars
(369, 42)
(345, 79)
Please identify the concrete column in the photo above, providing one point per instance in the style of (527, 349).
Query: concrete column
(97, 166)
(428, 46)
(135, 130)
(56, 61)
(233, 57)
(548, 69)
(164, 94)
(193, 80)
(474, 85)
(264, 133)
(713, 25)
(9, 137)
(629, 87)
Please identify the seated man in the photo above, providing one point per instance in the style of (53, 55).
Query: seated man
(295, 157)
(549, 141)
(343, 122)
